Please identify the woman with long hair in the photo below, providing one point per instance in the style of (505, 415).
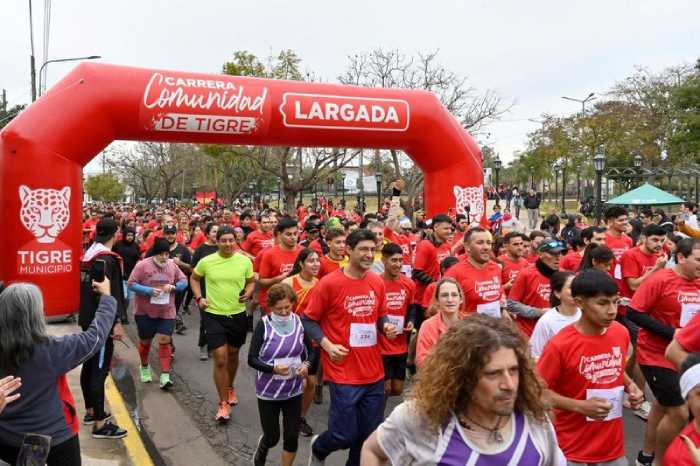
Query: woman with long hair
(477, 398)
(302, 279)
(598, 257)
(563, 312)
(446, 309)
(27, 352)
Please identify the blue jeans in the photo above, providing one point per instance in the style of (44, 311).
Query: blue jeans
(355, 412)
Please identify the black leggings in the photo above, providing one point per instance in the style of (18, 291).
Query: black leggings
(92, 380)
(270, 420)
(63, 454)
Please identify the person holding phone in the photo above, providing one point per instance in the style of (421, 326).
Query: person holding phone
(155, 281)
(99, 261)
(31, 363)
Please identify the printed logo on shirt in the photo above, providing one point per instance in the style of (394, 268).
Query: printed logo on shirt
(544, 290)
(687, 297)
(488, 290)
(361, 305)
(395, 299)
(618, 252)
(284, 268)
(602, 368)
(267, 243)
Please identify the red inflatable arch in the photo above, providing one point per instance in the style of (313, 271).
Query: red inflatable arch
(43, 150)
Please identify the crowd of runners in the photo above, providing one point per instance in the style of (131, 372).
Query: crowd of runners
(521, 348)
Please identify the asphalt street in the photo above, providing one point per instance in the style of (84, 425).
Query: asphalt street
(235, 443)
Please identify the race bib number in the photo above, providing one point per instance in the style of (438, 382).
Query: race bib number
(396, 321)
(688, 310)
(492, 309)
(363, 335)
(617, 273)
(614, 397)
(293, 364)
(162, 298)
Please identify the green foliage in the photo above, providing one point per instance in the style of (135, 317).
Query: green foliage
(6, 116)
(105, 187)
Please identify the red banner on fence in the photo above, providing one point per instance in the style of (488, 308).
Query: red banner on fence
(205, 197)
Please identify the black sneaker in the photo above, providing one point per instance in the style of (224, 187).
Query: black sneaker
(260, 453)
(88, 420)
(109, 430)
(305, 429)
(644, 460)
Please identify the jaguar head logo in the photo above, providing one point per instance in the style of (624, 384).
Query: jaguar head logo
(470, 202)
(44, 212)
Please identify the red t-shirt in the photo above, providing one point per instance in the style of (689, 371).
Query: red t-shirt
(571, 364)
(670, 299)
(316, 246)
(531, 288)
(677, 453)
(618, 245)
(511, 269)
(257, 241)
(347, 309)
(428, 295)
(428, 258)
(633, 264)
(198, 240)
(329, 265)
(481, 286)
(402, 240)
(570, 262)
(399, 295)
(689, 336)
(532, 258)
(275, 261)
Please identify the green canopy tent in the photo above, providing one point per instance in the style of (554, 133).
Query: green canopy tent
(646, 194)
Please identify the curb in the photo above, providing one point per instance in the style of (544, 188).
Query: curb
(132, 442)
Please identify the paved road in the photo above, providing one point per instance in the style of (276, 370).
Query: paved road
(236, 442)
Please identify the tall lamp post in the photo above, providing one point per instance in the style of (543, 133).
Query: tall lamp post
(58, 60)
(556, 167)
(563, 188)
(599, 166)
(497, 167)
(378, 177)
(637, 161)
(342, 187)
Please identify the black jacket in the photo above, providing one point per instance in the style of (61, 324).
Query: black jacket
(531, 202)
(130, 254)
(89, 299)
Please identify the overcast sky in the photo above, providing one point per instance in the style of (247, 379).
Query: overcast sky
(530, 53)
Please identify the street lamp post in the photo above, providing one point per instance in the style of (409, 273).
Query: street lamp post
(378, 177)
(637, 160)
(497, 167)
(58, 60)
(556, 169)
(342, 187)
(599, 166)
(251, 187)
(563, 188)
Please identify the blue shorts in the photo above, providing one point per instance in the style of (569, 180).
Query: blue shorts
(148, 326)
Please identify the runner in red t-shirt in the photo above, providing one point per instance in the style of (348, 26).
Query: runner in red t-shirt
(400, 299)
(664, 302)
(685, 340)
(536, 238)
(529, 296)
(335, 259)
(616, 238)
(276, 262)
(512, 261)
(346, 311)
(261, 238)
(679, 452)
(590, 235)
(478, 275)
(583, 367)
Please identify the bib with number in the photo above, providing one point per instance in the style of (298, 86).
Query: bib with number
(614, 397)
(363, 335)
(293, 364)
(688, 310)
(162, 298)
(492, 309)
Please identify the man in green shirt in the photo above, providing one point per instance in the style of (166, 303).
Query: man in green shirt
(229, 278)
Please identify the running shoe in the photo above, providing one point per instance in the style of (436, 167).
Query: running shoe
(224, 413)
(313, 461)
(643, 411)
(305, 429)
(260, 453)
(109, 430)
(232, 398)
(165, 382)
(88, 420)
(203, 353)
(644, 460)
(146, 375)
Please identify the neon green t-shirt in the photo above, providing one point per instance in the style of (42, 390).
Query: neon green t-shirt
(225, 278)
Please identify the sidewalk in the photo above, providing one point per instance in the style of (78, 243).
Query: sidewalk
(94, 452)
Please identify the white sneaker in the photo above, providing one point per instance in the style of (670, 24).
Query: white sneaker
(643, 411)
(203, 353)
(313, 461)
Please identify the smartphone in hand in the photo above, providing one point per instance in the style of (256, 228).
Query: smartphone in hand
(97, 271)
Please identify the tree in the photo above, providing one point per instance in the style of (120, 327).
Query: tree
(104, 188)
(6, 116)
(390, 68)
(686, 99)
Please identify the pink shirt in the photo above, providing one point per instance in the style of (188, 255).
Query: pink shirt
(428, 336)
(147, 273)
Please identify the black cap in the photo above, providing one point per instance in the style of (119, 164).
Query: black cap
(552, 245)
(169, 229)
(105, 229)
(160, 245)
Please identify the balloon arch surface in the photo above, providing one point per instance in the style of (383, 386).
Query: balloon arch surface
(43, 150)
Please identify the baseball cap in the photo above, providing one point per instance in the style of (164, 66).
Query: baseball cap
(169, 229)
(552, 245)
(160, 245)
(405, 223)
(105, 229)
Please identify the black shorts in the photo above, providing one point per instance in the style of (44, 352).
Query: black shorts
(225, 330)
(664, 384)
(147, 326)
(394, 366)
(315, 361)
(631, 327)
